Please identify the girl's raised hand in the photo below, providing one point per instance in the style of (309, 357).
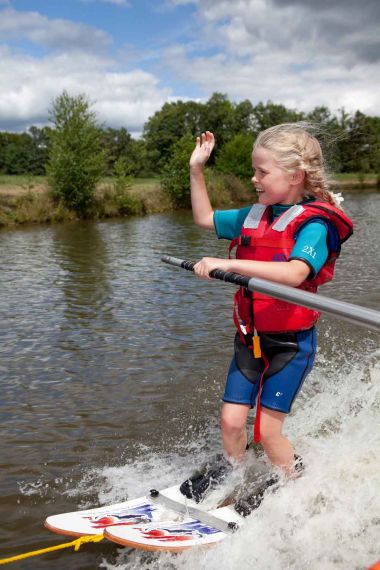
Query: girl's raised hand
(203, 149)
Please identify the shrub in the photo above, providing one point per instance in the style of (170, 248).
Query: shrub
(175, 176)
(227, 190)
(125, 202)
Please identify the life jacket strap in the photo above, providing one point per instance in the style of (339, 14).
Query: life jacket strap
(256, 428)
(236, 318)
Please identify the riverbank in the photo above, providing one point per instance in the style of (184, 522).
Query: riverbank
(27, 200)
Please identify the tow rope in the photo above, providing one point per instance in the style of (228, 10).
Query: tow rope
(77, 543)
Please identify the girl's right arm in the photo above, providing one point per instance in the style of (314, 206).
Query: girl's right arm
(203, 213)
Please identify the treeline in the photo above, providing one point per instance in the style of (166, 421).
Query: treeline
(170, 132)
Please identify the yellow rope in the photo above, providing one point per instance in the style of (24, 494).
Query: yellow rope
(75, 543)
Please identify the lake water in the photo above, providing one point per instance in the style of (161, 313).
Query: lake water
(112, 369)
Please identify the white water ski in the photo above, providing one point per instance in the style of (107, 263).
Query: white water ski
(167, 521)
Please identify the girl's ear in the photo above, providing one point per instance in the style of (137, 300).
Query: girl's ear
(298, 176)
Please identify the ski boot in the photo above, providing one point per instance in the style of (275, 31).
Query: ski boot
(251, 500)
(209, 477)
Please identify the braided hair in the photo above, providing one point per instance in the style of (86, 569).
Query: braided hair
(295, 148)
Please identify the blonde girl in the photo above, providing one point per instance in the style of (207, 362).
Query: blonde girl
(292, 235)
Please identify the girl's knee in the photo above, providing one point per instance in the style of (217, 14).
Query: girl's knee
(232, 422)
(271, 426)
(269, 436)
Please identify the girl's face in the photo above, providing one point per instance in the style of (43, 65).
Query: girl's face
(273, 184)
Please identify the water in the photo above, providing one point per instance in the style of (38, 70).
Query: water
(111, 374)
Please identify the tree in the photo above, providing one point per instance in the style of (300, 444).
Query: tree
(362, 152)
(270, 114)
(181, 118)
(175, 177)
(24, 153)
(236, 157)
(167, 126)
(219, 118)
(243, 117)
(117, 142)
(331, 134)
(76, 157)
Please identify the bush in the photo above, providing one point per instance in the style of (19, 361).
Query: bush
(175, 176)
(76, 158)
(125, 203)
(226, 190)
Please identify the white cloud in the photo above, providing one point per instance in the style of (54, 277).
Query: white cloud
(28, 85)
(282, 50)
(242, 27)
(273, 77)
(286, 51)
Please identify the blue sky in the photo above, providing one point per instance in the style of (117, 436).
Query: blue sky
(130, 56)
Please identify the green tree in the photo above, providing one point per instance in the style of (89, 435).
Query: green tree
(15, 153)
(24, 153)
(362, 152)
(269, 114)
(167, 126)
(175, 176)
(76, 157)
(331, 135)
(236, 157)
(117, 142)
(181, 118)
(243, 117)
(219, 118)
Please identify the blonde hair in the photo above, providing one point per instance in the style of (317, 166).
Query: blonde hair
(297, 149)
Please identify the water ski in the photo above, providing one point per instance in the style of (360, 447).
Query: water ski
(163, 520)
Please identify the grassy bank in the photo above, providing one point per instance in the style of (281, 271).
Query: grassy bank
(356, 180)
(27, 200)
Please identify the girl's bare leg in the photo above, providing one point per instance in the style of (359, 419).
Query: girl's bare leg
(234, 432)
(277, 447)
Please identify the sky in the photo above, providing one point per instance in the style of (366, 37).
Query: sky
(131, 56)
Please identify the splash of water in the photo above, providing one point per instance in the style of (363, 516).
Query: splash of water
(329, 518)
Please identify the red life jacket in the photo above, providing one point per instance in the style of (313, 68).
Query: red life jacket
(264, 240)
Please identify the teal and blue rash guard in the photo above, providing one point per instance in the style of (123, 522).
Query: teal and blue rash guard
(313, 240)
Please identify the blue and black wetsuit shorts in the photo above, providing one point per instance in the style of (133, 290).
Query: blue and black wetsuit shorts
(290, 358)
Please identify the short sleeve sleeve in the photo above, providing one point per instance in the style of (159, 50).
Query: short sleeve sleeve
(228, 223)
(311, 245)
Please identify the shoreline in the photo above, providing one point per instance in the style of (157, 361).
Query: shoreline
(27, 200)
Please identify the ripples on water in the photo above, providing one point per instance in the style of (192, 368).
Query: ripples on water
(111, 372)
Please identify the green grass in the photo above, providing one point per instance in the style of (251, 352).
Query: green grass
(355, 177)
(21, 179)
(29, 180)
(25, 199)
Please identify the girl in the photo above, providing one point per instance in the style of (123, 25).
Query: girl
(291, 236)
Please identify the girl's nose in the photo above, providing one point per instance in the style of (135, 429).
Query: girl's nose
(254, 179)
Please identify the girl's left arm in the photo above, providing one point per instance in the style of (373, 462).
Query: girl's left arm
(291, 273)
